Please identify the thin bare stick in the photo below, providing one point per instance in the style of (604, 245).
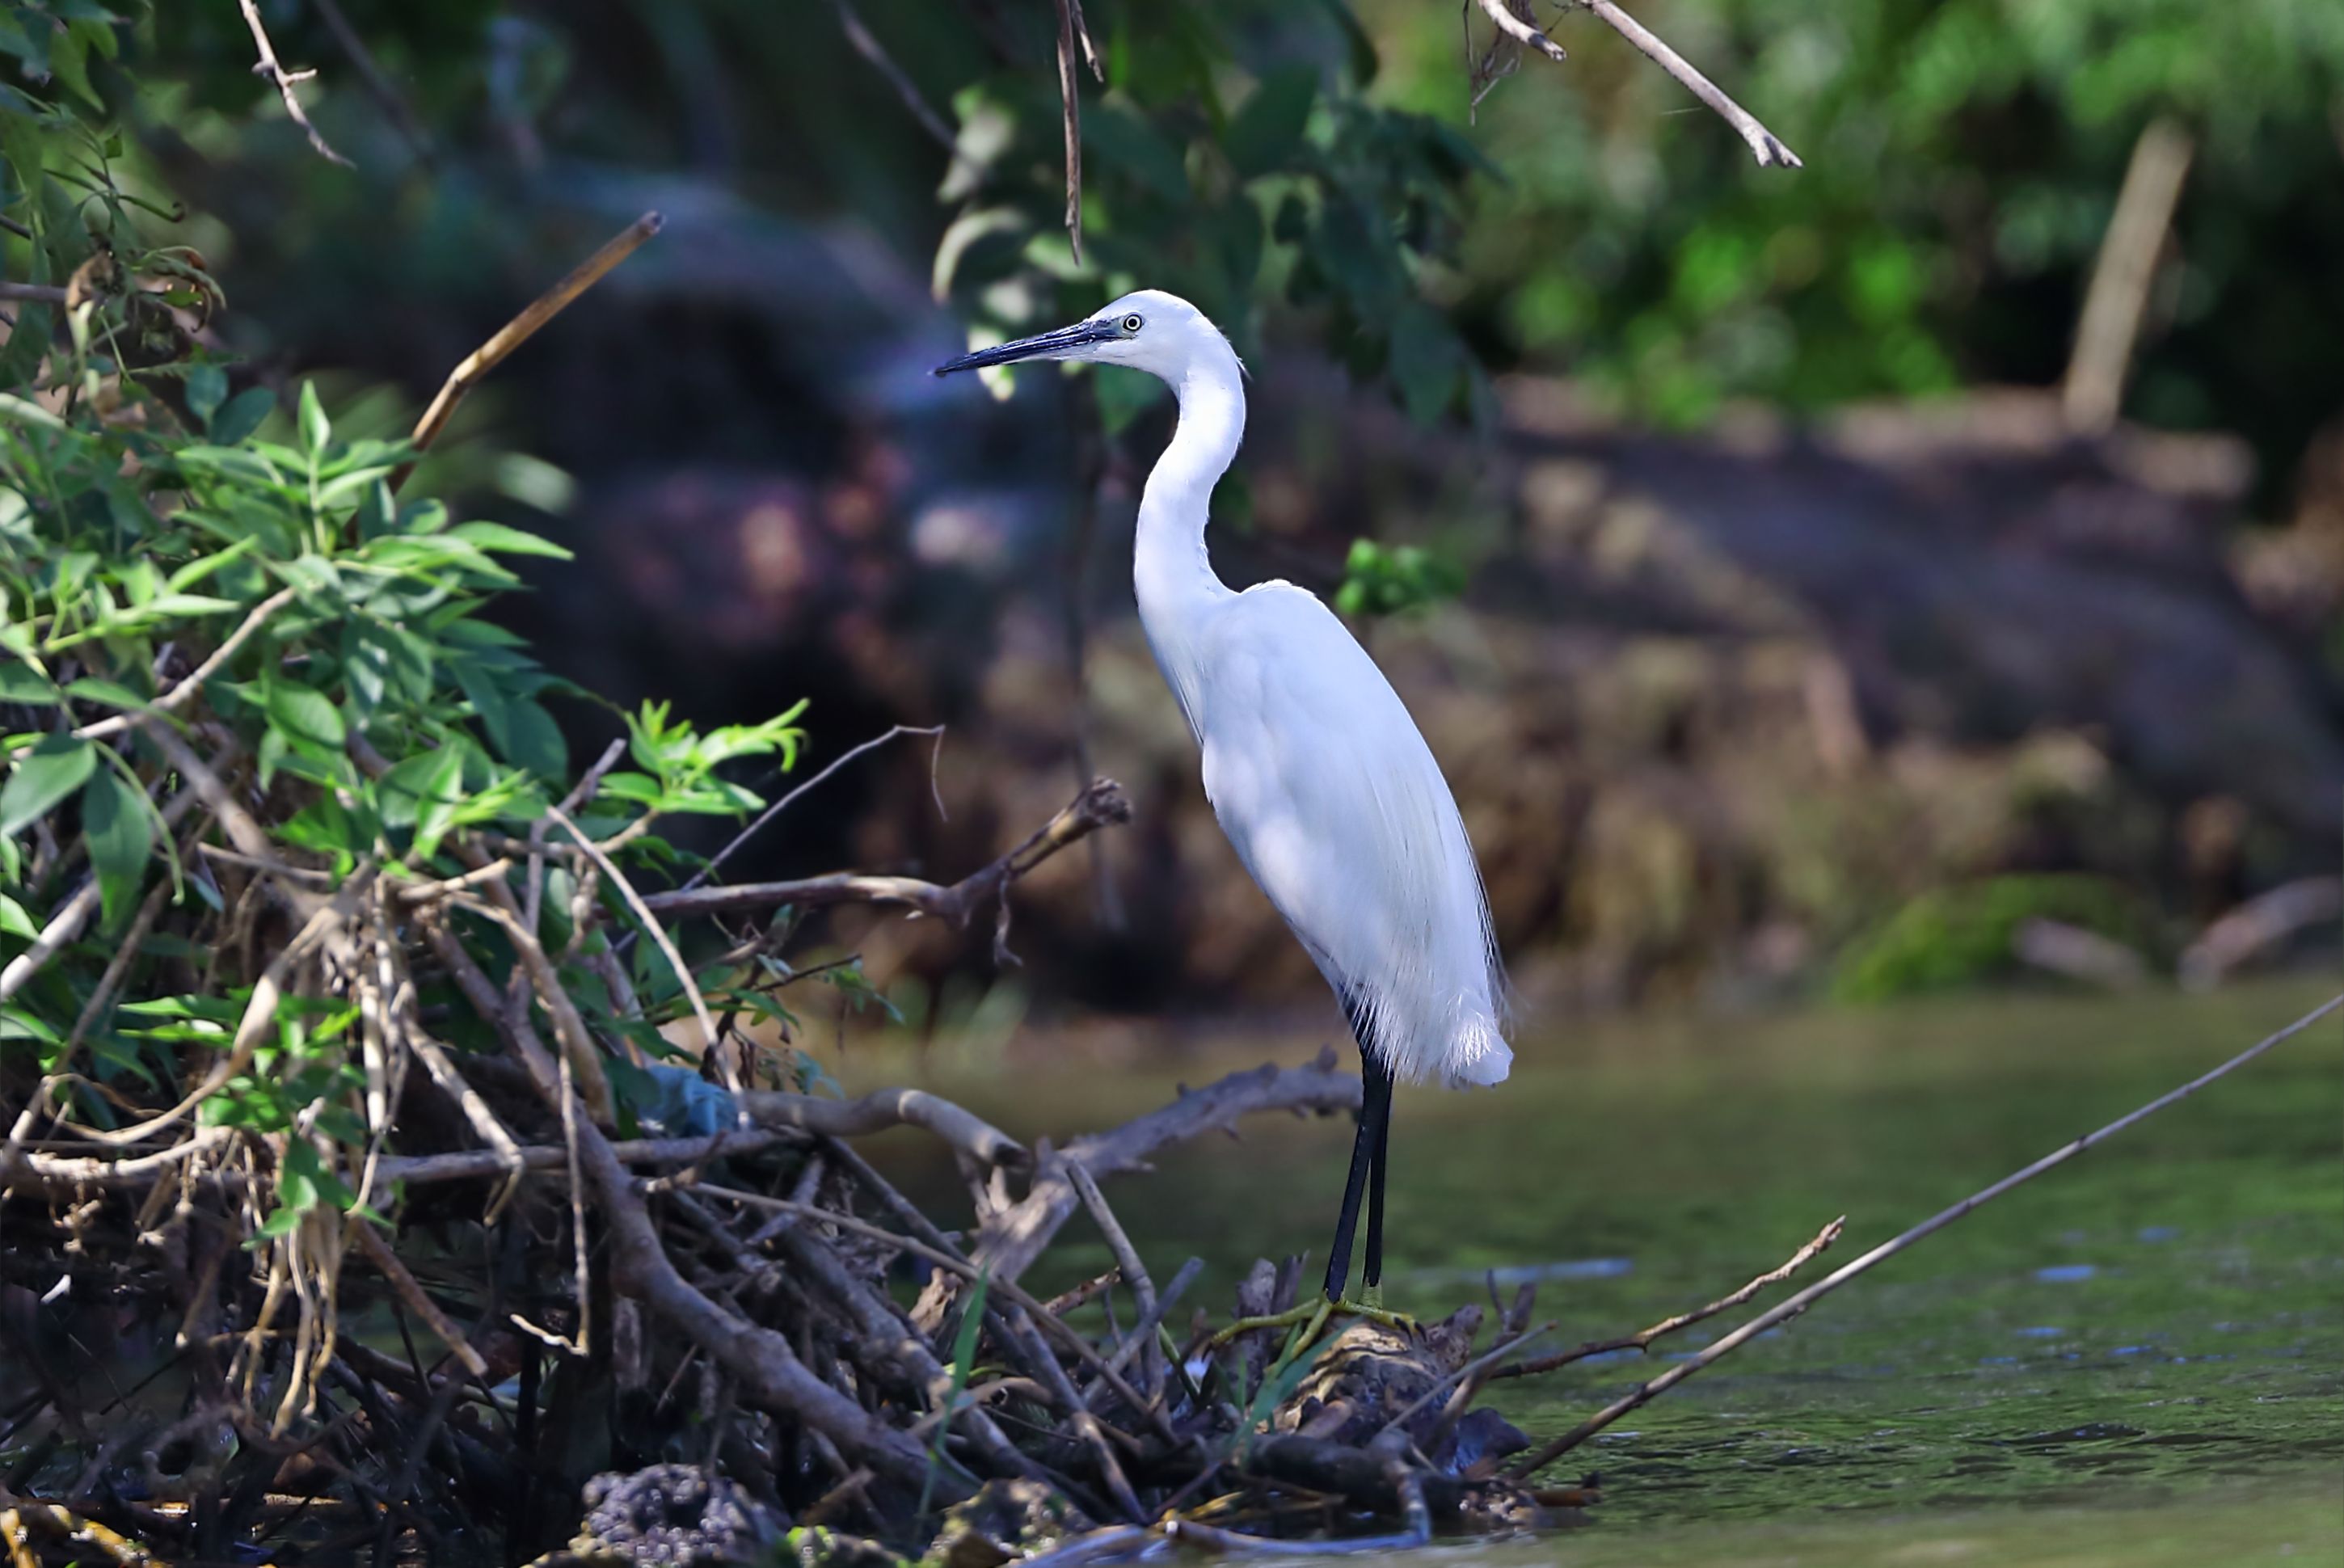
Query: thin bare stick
(394, 107)
(1764, 145)
(258, 1022)
(923, 112)
(66, 923)
(1469, 1376)
(502, 1143)
(1521, 31)
(1102, 804)
(1643, 1393)
(1144, 1331)
(783, 805)
(1135, 1275)
(610, 868)
(1643, 1338)
(178, 696)
(780, 1117)
(33, 293)
(283, 80)
(1009, 1291)
(414, 1295)
(519, 329)
(1071, 118)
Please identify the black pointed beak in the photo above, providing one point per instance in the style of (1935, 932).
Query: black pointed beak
(1046, 346)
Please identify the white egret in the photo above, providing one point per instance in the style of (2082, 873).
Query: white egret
(1319, 776)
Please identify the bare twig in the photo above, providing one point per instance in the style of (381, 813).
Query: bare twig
(1100, 806)
(1012, 1241)
(519, 329)
(766, 1369)
(781, 1117)
(923, 112)
(1071, 118)
(734, 1078)
(66, 923)
(394, 107)
(1764, 145)
(502, 1142)
(283, 80)
(770, 813)
(1767, 147)
(1643, 1338)
(1643, 1393)
(32, 293)
(1135, 1276)
(416, 1299)
(1521, 30)
(966, 1132)
(179, 695)
(1085, 1351)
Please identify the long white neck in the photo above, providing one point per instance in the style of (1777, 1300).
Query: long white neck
(1171, 572)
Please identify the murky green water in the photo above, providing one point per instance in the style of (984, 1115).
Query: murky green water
(2138, 1358)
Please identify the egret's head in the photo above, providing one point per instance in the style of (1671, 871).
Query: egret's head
(1150, 331)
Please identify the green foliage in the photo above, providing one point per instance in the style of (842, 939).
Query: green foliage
(1380, 580)
(1233, 154)
(1957, 936)
(182, 560)
(1962, 159)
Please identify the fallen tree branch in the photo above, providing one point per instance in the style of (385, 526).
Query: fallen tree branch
(1100, 804)
(780, 1117)
(761, 1362)
(1012, 1241)
(1644, 1393)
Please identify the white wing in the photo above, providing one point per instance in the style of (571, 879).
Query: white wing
(1336, 806)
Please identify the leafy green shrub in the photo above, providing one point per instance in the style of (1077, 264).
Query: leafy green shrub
(246, 680)
(1955, 936)
(1383, 581)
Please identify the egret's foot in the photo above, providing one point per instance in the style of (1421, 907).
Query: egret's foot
(1309, 1319)
(1310, 1316)
(1370, 1306)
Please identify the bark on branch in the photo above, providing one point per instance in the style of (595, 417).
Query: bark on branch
(1102, 804)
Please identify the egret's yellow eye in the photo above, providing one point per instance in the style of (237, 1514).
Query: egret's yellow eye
(1131, 323)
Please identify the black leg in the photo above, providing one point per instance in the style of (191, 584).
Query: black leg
(1380, 1097)
(1363, 1144)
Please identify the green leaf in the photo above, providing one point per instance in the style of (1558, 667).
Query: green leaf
(114, 820)
(535, 741)
(242, 415)
(21, 683)
(14, 921)
(511, 541)
(314, 429)
(440, 794)
(44, 777)
(1265, 133)
(304, 715)
(113, 693)
(1123, 141)
(207, 390)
